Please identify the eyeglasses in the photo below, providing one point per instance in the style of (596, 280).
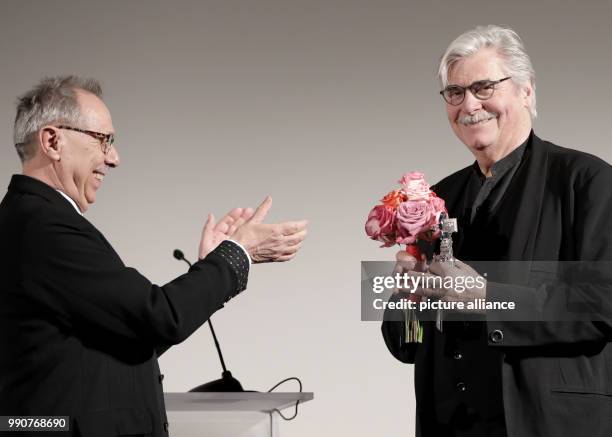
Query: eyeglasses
(481, 89)
(106, 140)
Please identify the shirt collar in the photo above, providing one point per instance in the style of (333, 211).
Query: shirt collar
(501, 167)
(72, 202)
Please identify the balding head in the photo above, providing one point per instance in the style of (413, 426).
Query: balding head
(52, 101)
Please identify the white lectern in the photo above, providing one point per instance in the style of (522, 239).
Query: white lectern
(244, 414)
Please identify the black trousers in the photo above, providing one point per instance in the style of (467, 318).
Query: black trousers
(463, 423)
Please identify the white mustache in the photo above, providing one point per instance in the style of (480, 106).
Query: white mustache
(479, 116)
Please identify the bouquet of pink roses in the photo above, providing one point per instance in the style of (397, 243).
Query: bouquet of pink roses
(406, 216)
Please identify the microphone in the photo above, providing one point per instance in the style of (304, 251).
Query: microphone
(178, 254)
(227, 383)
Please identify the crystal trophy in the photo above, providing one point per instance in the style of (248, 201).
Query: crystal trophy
(448, 226)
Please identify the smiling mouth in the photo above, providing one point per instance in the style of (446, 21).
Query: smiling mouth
(482, 121)
(476, 119)
(476, 123)
(99, 176)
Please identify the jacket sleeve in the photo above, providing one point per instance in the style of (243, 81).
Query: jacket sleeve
(77, 278)
(567, 310)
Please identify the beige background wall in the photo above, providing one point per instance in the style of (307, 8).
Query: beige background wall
(322, 104)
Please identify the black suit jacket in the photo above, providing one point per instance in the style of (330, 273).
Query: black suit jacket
(79, 329)
(556, 377)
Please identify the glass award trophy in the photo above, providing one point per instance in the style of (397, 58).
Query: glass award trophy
(448, 226)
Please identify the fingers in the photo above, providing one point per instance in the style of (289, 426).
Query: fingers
(290, 246)
(229, 218)
(235, 226)
(235, 213)
(444, 269)
(238, 220)
(268, 242)
(295, 227)
(275, 245)
(290, 252)
(397, 268)
(459, 268)
(293, 239)
(405, 260)
(209, 225)
(437, 268)
(247, 213)
(262, 210)
(402, 255)
(207, 237)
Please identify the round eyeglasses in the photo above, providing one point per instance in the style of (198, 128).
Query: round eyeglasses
(481, 89)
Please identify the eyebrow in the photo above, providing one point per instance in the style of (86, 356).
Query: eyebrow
(471, 83)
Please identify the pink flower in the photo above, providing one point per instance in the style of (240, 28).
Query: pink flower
(380, 225)
(438, 205)
(414, 217)
(415, 186)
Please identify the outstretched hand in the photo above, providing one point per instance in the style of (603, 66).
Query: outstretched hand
(214, 233)
(264, 242)
(269, 242)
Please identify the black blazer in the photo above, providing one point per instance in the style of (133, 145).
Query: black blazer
(556, 376)
(79, 329)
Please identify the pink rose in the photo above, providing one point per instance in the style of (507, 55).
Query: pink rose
(438, 205)
(414, 217)
(415, 186)
(380, 225)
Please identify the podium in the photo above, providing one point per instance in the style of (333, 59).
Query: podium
(242, 414)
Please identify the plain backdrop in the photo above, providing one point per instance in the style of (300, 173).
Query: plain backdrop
(323, 105)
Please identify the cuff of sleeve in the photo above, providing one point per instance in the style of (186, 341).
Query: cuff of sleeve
(235, 256)
(510, 328)
(243, 249)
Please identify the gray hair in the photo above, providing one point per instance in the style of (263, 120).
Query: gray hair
(53, 100)
(508, 45)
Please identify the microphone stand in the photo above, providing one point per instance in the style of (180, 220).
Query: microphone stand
(227, 383)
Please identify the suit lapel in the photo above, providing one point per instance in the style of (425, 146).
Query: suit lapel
(526, 194)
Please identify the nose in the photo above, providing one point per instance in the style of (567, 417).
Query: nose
(112, 157)
(470, 103)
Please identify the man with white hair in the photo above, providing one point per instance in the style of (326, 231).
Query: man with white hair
(80, 332)
(523, 199)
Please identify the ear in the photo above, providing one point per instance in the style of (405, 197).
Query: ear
(49, 142)
(527, 95)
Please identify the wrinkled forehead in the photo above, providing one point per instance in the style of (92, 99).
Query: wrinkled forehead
(94, 113)
(486, 64)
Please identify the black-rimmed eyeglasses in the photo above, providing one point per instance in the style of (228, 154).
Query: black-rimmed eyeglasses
(106, 140)
(481, 89)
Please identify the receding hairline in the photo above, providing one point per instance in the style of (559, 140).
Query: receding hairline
(79, 93)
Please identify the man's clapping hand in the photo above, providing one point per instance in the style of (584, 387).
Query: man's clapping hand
(264, 242)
